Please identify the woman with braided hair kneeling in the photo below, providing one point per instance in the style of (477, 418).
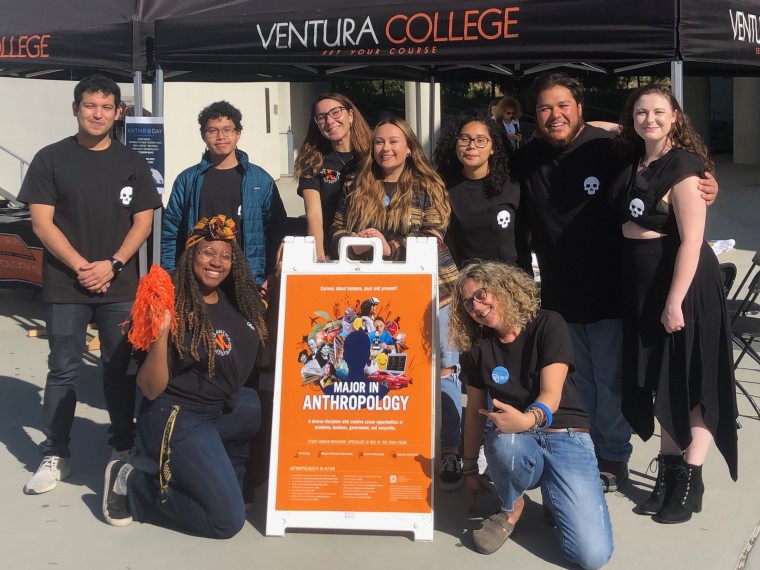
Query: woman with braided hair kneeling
(199, 419)
(522, 356)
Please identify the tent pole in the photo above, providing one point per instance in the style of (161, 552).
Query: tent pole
(418, 107)
(676, 80)
(138, 93)
(142, 253)
(431, 117)
(158, 111)
(158, 92)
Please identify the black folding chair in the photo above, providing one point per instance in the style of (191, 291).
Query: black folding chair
(728, 271)
(745, 329)
(733, 302)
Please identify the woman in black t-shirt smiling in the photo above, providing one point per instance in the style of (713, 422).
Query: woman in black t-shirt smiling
(473, 164)
(200, 420)
(338, 138)
(522, 356)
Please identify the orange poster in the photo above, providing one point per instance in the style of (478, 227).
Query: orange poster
(356, 394)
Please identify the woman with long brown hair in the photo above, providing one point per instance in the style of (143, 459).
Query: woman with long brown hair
(676, 335)
(337, 139)
(394, 195)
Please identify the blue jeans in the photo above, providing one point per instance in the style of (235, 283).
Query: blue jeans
(451, 386)
(67, 333)
(598, 351)
(209, 450)
(564, 465)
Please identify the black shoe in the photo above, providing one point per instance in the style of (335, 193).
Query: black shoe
(667, 467)
(115, 505)
(687, 495)
(451, 477)
(612, 474)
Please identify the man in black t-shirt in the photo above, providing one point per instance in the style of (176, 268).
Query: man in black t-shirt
(91, 200)
(563, 174)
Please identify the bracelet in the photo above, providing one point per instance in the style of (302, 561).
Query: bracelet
(473, 469)
(545, 409)
(537, 419)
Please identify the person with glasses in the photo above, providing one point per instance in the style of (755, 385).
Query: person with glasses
(198, 418)
(523, 357)
(337, 139)
(226, 182)
(472, 162)
(395, 194)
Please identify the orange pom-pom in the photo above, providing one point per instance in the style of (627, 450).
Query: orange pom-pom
(155, 296)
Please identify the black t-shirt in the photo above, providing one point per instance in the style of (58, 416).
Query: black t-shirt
(575, 234)
(482, 227)
(329, 182)
(236, 344)
(220, 194)
(511, 372)
(95, 194)
(637, 196)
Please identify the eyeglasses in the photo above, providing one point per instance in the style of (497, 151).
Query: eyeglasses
(207, 254)
(479, 296)
(465, 140)
(334, 113)
(226, 132)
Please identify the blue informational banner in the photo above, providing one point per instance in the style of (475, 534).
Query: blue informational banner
(146, 136)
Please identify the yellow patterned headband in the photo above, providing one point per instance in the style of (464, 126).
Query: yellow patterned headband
(219, 227)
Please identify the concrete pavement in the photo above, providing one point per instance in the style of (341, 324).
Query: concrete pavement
(64, 528)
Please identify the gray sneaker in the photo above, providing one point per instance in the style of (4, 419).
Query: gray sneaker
(52, 469)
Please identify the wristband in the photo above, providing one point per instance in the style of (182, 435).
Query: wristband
(473, 469)
(544, 408)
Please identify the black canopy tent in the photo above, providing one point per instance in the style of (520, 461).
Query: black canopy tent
(453, 39)
(66, 40)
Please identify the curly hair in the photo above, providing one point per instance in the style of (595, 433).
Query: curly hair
(192, 313)
(315, 146)
(681, 135)
(219, 110)
(514, 290)
(505, 104)
(366, 189)
(448, 163)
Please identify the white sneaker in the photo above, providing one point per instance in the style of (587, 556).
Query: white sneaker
(51, 470)
(137, 459)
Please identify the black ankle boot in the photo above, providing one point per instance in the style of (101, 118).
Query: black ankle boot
(667, 466)
(686, 498)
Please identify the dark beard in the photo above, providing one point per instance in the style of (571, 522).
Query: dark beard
(567, 140)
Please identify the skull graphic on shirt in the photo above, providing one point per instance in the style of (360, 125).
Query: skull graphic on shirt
(125, 196)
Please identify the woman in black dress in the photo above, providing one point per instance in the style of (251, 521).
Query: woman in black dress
(677, 340)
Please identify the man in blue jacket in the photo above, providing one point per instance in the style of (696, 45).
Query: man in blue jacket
(225, 182)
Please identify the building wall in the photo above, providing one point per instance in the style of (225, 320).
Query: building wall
(35, 113)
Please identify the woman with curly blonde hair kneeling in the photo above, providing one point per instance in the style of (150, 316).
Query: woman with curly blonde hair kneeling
(523, 357)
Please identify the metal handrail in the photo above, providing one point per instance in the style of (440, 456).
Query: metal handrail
(23, 163)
